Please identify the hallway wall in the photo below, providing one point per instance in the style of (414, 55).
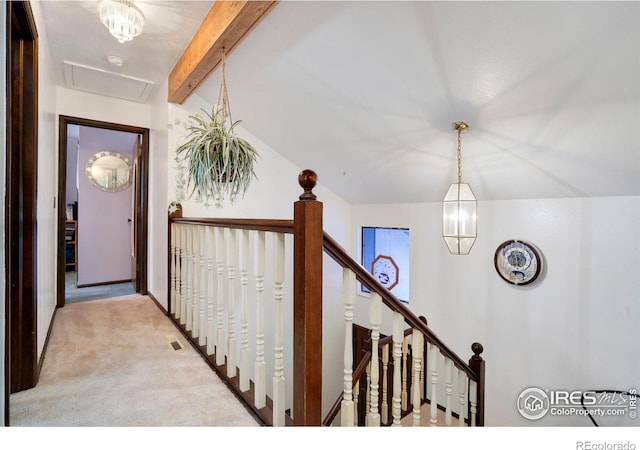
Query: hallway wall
(73, 131)
(47, 182)
(575, 328)
(158, 203)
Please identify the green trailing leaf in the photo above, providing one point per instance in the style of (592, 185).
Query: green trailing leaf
(217, 163)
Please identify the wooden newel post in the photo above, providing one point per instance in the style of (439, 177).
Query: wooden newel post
(307, 304)
(175, 212)
(476, 363)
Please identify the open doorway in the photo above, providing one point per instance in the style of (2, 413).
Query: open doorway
(103, 212)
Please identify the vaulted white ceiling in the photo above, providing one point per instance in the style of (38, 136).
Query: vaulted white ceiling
(365, 92)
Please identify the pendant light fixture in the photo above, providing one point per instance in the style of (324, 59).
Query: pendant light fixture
(459, 227)
(123, 19)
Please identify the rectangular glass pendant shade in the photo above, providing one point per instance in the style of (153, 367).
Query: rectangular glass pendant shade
(459, 218)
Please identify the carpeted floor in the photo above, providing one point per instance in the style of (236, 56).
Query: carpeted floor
(111, 363)
(74, 294)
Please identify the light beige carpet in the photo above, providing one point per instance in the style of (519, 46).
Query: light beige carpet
(111, 363)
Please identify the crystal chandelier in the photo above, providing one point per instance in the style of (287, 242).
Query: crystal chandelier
(459, 209)
(123, 19)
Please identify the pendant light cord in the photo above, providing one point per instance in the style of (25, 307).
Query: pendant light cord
(223, 95)
(459, 155)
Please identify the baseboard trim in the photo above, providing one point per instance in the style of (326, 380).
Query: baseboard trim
(45, 346)
(158, 304)
(104, 283)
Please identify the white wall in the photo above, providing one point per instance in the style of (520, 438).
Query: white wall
(576, 328)
(97, 107)
(72, 170)
(158, 203)
(3, 142)
(47, 182)
(104, 231)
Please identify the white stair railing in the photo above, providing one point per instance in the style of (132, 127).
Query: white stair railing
(211, 263)
(210, 299)
(422, 372)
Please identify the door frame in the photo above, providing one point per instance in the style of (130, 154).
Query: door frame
(141, 200)
(20, 227)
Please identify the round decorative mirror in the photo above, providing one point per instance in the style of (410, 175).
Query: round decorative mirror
(109, 171)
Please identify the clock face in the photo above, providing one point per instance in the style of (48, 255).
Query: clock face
(386, 271)
(518, 262)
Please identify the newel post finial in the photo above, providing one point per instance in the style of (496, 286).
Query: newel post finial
(477, 364)
(307, 180)
(175, 210)
(477, 349)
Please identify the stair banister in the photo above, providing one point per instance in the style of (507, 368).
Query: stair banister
(307, 304)
(337, 252)
(474, 370)
(309, 244)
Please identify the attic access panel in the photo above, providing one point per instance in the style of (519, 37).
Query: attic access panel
(102, 82)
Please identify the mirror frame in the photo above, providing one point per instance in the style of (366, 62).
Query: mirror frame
(95, 158)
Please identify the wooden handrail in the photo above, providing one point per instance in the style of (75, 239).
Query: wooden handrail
(340, 255)
(274, 225)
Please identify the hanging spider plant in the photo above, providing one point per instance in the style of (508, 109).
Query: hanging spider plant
(217, 163)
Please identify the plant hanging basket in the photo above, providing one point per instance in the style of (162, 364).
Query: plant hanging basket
(215, 164)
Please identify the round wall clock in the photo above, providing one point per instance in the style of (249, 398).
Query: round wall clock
(386, 271)
(518, 262)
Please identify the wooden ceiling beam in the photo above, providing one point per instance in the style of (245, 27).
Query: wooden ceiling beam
(225, 25)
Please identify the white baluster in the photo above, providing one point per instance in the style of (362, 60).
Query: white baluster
(178, 236)
(220, 255)
(347, 412)
(434, 352)
(448, 368)
(184, 282)
(398, 339)
(195, 287)
(173, 298)
(424, 367)
(202, 313)
(473, 399)
(375, 317)
(232, 252)
(367, 390)
(189, 312)
(211, 303)
(414, 384)
(462, 393)
(405, 372)
(356, 395)
(416, 352)
(384, 408)
(260, 375)
(278, 378)
(244, 313)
